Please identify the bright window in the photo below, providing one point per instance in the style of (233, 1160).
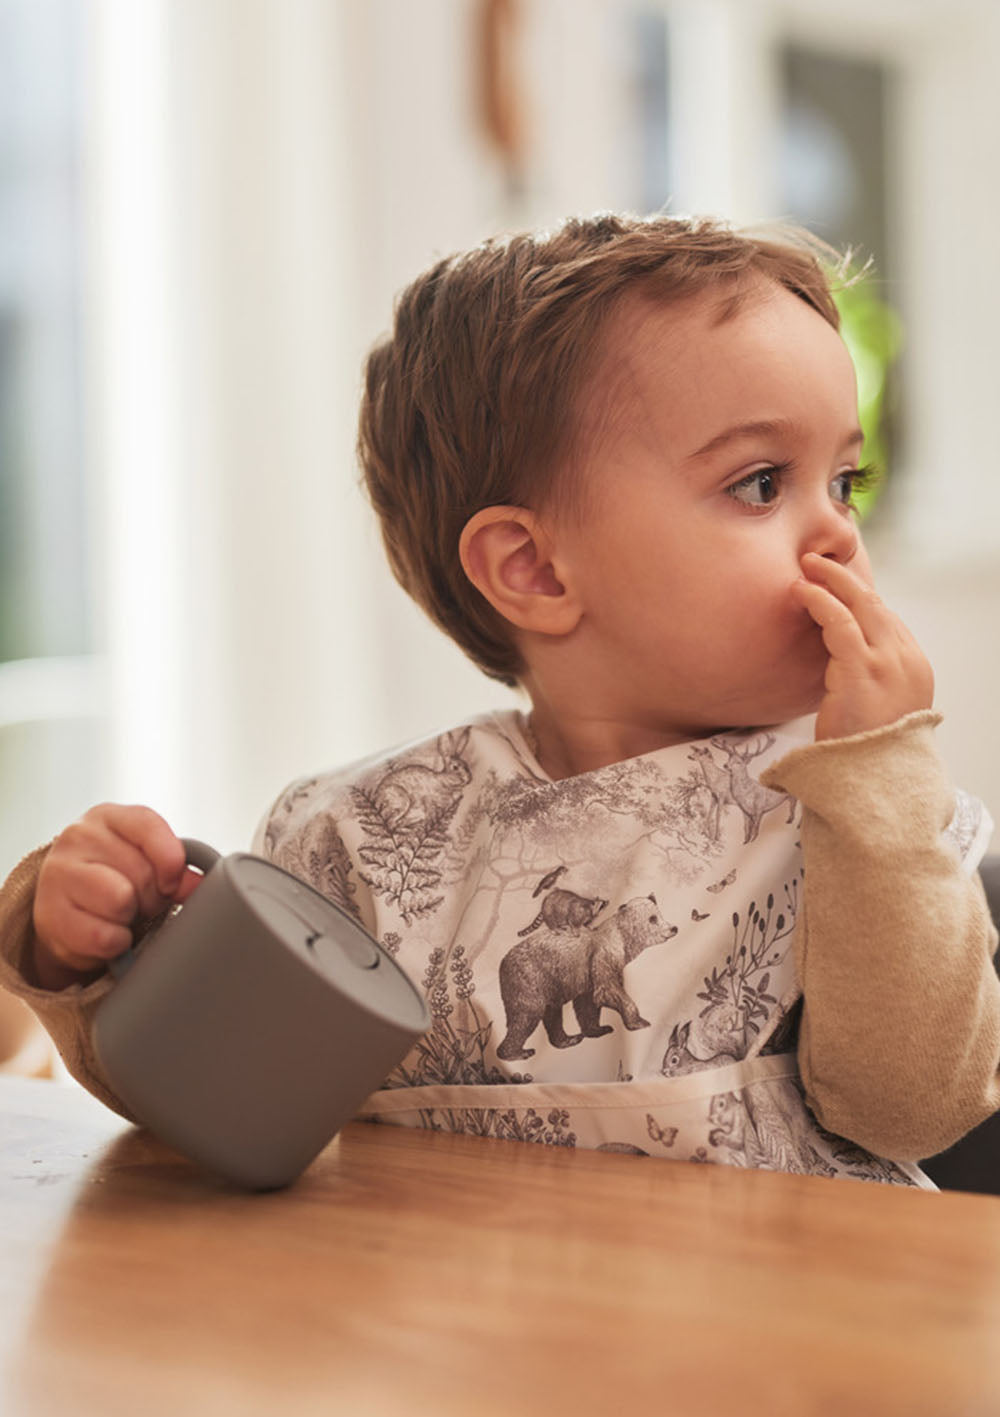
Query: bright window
(50, 698)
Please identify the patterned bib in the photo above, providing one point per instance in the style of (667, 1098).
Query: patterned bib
(607, 959)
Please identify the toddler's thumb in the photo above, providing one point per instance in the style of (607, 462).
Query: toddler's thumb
(189, 882)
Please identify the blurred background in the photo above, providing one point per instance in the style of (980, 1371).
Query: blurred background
(206, 207)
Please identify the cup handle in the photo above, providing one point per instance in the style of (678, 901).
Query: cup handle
(202, 857)
(199, 855)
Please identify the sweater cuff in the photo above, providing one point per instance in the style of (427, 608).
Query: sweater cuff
(855, 747)
(874, 783)
(17, 940)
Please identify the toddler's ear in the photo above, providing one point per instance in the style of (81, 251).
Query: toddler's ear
(512, 561)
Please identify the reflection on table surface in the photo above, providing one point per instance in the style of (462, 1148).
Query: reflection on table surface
(419, 1273)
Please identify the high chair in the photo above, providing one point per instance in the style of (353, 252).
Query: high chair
(973, 1164)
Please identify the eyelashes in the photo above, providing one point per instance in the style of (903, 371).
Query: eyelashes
(863, 479)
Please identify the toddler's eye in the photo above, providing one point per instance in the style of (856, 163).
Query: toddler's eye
(855, 479)
(842, 488)
(757, 489)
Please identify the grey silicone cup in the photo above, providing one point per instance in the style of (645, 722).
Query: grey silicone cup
(233, 1050)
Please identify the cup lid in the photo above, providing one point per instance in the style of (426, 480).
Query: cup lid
(328, 939)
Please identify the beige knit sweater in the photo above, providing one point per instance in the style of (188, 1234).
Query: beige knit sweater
(900, 1041)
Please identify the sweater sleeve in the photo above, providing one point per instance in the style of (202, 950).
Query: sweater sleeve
(67, 1014)
(900, 1037)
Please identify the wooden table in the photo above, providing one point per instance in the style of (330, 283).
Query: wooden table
(410, 1273)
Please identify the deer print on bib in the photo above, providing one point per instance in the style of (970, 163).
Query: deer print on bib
(727, 776)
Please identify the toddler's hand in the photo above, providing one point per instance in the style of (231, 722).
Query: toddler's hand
(112, 868)
(876, 672)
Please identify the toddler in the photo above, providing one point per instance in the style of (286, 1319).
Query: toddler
(712, 897)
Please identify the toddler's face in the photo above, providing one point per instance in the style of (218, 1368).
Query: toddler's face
(727, 451)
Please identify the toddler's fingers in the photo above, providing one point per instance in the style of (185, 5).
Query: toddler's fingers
(842, 635)
(863, 602)
(189, 882)
(146, 830)
(89, 842)
(101, 891)
(78, 939)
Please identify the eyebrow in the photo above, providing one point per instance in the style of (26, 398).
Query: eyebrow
(762, 428)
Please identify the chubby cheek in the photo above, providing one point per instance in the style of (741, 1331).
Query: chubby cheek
(773, 596)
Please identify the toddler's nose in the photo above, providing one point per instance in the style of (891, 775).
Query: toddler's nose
(833, 533)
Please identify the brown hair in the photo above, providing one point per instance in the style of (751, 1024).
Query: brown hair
(471, 400)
